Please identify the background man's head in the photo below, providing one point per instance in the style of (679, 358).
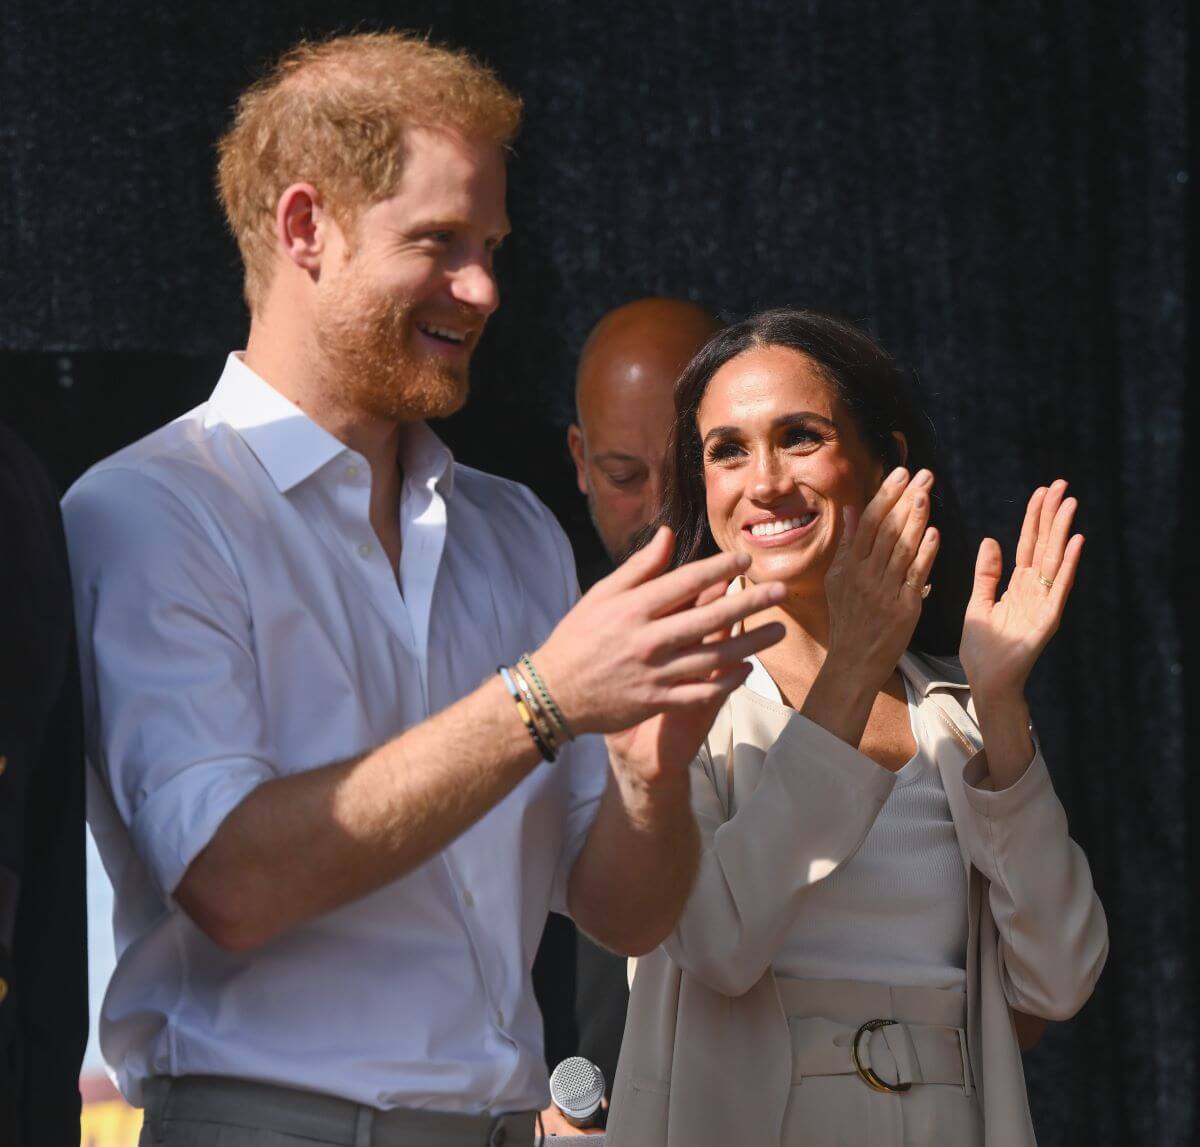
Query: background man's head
(363, 179)
(624, 405)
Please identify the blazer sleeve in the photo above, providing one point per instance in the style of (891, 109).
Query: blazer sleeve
(815, 801)
(1052, 929)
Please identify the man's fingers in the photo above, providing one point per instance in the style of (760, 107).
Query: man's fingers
(691, 626)
(701, 660)
(680, 588)
(712, 593)
(647, 563)
(709, 692)
(1029, 527)
(989, 565)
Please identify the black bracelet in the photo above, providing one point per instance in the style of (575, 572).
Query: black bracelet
(523, 712)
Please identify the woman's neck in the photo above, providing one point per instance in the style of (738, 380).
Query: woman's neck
(795, 661)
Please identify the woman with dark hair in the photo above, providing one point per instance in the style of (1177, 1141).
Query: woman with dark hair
(888, 904)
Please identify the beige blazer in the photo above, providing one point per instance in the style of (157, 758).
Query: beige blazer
(781, 803)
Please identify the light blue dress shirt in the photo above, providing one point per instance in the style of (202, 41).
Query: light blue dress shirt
(239, 621)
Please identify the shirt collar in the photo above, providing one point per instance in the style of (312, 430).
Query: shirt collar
(928, 673)
(291, 447)
(426, 459)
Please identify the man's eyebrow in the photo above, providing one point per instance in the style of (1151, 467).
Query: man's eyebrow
(452, 223)
(616, 456)
(796, 419)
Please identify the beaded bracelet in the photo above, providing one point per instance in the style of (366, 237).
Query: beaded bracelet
(563, 729)
(524, 713)
(544, 723)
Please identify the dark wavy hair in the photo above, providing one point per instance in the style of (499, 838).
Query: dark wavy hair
(881, 395)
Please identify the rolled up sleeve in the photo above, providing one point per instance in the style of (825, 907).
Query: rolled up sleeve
(586, 778)
(174, 715)
(583, 763)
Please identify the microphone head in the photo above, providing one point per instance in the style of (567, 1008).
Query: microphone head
(576, 1088)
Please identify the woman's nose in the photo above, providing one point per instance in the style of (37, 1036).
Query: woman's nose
(768, 479)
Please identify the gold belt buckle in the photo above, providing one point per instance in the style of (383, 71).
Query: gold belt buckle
(864, 1072)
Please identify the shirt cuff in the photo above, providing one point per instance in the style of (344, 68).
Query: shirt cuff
(176, 822)
(1032, 785)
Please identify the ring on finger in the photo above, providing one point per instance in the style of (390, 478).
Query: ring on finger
(1047, 582)
(924, 590)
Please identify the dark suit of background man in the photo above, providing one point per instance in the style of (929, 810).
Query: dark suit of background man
(624, 403)
(43, 927)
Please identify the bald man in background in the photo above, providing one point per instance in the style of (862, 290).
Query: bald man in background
(624, 403)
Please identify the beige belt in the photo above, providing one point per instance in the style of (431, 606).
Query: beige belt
(890, 1037)
(324, 1119)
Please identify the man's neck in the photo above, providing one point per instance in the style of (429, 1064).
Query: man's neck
(291, 365)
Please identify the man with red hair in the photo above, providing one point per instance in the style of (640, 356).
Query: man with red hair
(333, 849)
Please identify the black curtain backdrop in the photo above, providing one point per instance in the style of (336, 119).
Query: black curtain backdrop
(1000, 192)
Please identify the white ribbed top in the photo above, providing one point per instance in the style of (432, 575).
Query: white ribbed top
(896, 911)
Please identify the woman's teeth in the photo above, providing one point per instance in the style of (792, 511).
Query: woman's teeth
(780, 525)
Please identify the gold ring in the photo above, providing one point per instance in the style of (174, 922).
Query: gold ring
(926, 590)
(1046, 581)
(865, 1073)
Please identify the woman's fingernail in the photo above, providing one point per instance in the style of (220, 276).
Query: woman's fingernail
(923, 478)
(898, 475)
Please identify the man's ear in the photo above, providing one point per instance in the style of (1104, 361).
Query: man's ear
(578, 450)
(301, 226)
(900, 445)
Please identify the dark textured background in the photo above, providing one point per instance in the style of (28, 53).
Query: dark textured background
(999, 191)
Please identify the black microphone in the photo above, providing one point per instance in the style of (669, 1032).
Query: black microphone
(576, 1089)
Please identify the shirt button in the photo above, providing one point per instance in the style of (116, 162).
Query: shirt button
(468, 900)
(364, 551)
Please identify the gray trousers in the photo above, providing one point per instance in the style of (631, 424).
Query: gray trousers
(208, 1111)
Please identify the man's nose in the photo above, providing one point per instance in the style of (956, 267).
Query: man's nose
(475, 286)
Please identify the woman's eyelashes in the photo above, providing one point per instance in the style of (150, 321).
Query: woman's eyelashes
(801, 435)
(723, 451)
(797, 438)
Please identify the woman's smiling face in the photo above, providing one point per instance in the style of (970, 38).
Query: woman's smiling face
(782, 455)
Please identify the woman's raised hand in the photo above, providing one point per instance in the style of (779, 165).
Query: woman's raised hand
(874, 588)
(1004, 636)
(876, 582)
